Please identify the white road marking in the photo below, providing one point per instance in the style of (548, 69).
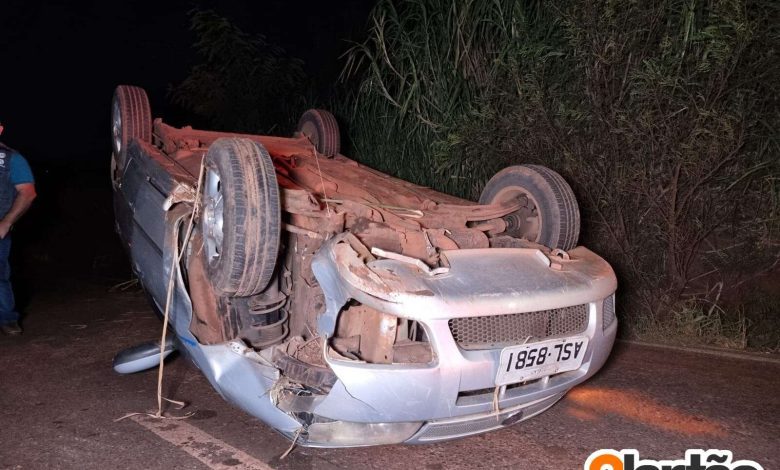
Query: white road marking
(213, 452)
(732, 354)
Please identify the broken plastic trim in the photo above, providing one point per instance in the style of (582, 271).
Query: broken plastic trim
(408, 259)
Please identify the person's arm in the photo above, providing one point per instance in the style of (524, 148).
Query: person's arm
(25, 194)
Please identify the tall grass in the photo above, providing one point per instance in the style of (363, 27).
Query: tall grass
(425, 69)
(662, 115)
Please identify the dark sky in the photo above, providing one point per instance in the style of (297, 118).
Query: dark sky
(62, 60)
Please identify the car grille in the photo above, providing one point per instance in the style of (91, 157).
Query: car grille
(495, 331)
(608, 311)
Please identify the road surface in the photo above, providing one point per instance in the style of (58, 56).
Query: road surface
(59, 398)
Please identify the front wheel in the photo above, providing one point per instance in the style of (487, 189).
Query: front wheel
(240, 217)
(549, 214)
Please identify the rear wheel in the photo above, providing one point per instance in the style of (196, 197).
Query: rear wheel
(131, 118)
(322, 130)
(549, 214)
(241, 216)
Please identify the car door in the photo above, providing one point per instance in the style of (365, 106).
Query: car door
(140, 217)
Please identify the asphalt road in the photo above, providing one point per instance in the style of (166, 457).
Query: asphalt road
(59, 400)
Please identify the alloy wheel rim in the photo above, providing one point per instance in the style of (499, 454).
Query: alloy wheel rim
(116, 126)
(214, 210)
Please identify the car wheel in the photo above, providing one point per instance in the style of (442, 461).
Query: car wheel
(550, 214)
(131, 118)
(321, 128)
(240, 216)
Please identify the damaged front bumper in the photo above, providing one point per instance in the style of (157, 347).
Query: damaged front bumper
(453, 395)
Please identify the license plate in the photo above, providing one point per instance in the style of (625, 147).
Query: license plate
(531, 361)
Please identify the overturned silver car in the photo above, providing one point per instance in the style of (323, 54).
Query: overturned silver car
(349, 308)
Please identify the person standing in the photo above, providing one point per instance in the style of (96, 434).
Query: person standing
(17, 192)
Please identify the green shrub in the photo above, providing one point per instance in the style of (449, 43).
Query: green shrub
(662, 115)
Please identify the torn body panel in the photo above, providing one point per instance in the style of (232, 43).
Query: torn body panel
(239, 374)
(478, 282)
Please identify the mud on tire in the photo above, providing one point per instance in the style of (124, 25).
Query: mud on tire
(240, 216)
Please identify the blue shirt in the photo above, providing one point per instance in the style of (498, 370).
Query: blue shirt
(20, 170)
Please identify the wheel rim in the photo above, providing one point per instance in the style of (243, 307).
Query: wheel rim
(213, 214)
(525, 222)
(309, 129)
(116, 126)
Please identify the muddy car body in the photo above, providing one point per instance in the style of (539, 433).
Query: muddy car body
(345, 307)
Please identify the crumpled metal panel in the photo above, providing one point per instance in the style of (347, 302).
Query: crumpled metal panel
(491, 282)
(239, 378)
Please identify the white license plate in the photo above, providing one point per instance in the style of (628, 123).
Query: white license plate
(531, 361)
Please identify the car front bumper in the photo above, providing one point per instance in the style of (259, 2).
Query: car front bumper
(453, 395)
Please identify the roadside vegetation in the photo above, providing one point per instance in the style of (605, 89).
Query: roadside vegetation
(663, 117)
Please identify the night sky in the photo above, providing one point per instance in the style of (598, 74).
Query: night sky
(61, 62)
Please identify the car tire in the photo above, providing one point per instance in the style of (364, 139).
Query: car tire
(131, 118)
(321, 128)
(550, 216)
(240, 216)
